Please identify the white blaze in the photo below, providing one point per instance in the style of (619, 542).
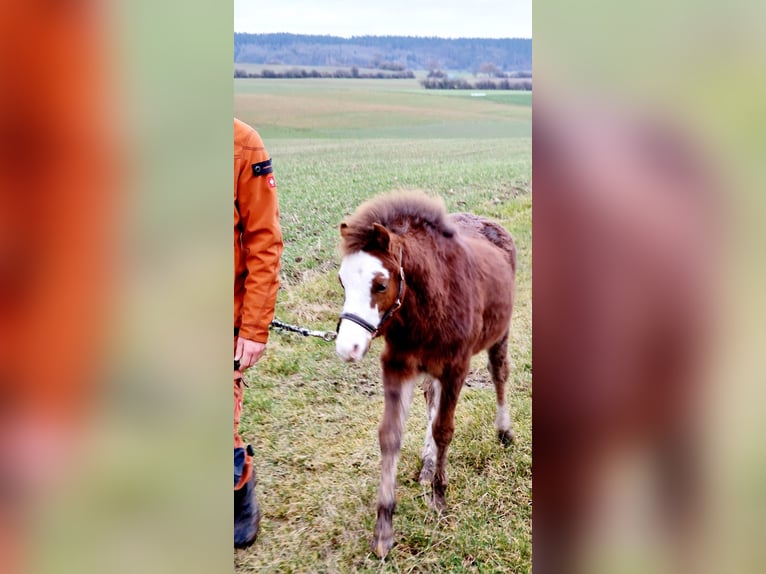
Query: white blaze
(357, 272)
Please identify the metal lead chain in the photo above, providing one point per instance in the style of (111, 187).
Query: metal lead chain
(325, 335)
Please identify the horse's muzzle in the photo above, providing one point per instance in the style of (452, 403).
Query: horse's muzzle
(352, 343)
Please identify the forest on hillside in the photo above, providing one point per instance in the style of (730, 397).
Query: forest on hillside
(385, 52)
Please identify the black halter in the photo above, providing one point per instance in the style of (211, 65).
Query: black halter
(375, 331)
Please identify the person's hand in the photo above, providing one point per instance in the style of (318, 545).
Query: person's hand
(248, 352)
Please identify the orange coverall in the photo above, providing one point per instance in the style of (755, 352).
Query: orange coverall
(58, 193)
(257, 251)
(257, 236)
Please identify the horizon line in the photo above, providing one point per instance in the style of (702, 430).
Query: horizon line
(390, 35)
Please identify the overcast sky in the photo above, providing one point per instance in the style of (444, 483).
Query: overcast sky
(444, 18)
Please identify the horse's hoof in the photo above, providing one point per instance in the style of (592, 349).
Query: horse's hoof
(383, 537)
(438, 503)
(381, 545)
(506, 437)
(427, 472)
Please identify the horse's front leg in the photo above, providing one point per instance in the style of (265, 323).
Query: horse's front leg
(398, 395)
(443, 427)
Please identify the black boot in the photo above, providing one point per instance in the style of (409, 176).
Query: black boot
(247, 514)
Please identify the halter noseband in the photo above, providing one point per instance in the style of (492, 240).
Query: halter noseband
(369, 327)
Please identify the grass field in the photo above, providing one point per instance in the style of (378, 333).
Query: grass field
(312, 419)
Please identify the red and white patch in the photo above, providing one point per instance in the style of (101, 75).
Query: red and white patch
(357, 271)
(272, 182)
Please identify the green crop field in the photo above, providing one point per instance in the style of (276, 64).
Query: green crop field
(313, 419)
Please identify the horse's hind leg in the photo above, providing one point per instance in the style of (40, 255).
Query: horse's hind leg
(432, 392)
(499, 369)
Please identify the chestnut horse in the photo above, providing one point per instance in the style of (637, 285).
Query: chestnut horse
(439, 289)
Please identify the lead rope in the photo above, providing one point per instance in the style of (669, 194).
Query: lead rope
(328, 336)
(324, 335)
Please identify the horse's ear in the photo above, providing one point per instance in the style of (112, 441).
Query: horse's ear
(380, 236)
(343, 229)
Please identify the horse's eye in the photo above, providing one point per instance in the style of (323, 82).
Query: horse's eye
(380, 287)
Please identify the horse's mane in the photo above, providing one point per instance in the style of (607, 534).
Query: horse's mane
(400, 213)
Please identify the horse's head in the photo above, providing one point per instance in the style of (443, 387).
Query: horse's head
(373, 280)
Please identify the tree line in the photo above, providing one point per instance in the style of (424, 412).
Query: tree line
(353, 72)
(405, 52)
(482, 84)
(493, 79)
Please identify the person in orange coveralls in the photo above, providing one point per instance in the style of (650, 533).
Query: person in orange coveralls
(59, 188)
(257, 252)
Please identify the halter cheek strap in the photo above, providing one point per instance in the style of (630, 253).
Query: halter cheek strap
(369, 327)
(398, 303)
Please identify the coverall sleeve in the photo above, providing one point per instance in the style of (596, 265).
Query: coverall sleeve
(261, 243)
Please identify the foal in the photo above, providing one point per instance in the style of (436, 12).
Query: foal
(439, 288)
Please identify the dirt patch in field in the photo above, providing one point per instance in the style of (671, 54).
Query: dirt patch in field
(479, 379)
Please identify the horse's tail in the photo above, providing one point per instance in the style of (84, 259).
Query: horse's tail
(491, 230)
